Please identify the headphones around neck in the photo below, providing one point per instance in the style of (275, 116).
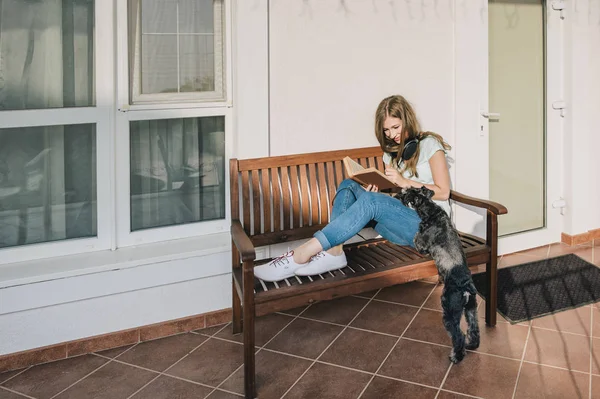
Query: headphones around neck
(410, 148)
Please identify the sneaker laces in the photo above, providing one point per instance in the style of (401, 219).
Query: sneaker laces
(317, 256)
(280, 260)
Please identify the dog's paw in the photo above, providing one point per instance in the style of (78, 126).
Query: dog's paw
(422, 251)
(456, 357)
(472, 345)
(474, 338)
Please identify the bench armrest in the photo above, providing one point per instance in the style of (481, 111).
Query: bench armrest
(491, 206)
(242, 241)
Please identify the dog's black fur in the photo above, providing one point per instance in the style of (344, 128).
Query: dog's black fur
(438, 238)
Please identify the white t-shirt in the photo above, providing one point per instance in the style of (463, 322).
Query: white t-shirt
(428, 146)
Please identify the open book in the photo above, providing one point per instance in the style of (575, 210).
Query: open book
(366, 176)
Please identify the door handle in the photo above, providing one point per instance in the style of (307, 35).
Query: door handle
(490, 115)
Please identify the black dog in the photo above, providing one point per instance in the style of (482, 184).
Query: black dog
(438, 238)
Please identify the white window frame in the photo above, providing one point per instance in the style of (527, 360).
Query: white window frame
(98, 115)
(164, 110)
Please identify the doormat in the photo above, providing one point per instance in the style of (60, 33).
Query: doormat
(543, 287)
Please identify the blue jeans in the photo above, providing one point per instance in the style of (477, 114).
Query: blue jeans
(354, 207)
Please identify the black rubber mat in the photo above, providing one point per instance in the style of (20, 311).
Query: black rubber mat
(535, 289)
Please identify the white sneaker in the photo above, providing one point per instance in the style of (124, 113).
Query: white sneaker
(321, 263)
(279, 268)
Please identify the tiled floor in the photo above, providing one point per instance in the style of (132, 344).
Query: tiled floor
(388, 344)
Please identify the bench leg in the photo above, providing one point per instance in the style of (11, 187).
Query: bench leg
(491, 270)
(248, 326)
(236, 306)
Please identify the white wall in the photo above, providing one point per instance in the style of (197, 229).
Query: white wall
(250, 78)
(582, 135)
(330, 67)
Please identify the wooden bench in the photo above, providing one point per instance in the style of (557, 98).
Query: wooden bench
(285, 198)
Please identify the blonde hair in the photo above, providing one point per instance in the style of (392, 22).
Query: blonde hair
(398, 107)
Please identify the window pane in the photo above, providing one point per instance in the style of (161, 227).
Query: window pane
(196, 16)
(177, 48)
(46, 54)
(47, 184)
(177, 171)
(197, 63)
(159, 64)
(159, 16)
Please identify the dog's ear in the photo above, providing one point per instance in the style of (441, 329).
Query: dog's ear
(427, 192)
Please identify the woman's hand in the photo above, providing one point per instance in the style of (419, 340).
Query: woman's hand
(396, 177)
(373, 188)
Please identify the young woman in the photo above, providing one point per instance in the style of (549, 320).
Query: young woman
(413, 158)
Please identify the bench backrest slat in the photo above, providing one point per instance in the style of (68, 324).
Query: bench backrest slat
(275, 195)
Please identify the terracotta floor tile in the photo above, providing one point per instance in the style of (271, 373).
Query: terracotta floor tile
(115, 352)
(294, 311)
(340, 311)
(413, 293)
(385, 317)
(265, 328)
(8, 375)
(417, 362)
(517, 259)
(584, 250)
(558, 349)
(368, 295)
(596, 355)
(113, 381)
(572, 320)
(168, 388)
(595, 387)
(428, 326)
(275, 374)
(4, 394)
(360, 350)
(222, 395)
(537, 381)
(483, 375)
(46, 380)
(161, 353)
(305, 338)
(434, 301)
(499, 317)
(324, 381)
(538, 252)
(596, 320)
(451, 395)
(211, 363)
(503, 340)
(209, 331)
(385, 388)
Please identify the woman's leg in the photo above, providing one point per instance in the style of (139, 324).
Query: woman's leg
(395, 222)
(347, 193)
(284, 266)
